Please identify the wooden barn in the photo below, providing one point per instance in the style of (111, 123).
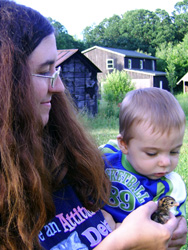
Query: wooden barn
(80, 78)
(140, 67)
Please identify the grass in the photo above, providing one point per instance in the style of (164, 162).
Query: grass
(183, 160)
(105, 126)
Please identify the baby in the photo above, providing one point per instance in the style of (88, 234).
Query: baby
(140, 163)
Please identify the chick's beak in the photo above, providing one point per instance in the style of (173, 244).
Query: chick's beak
(176, 204)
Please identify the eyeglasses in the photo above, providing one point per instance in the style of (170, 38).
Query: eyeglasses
(52, 78)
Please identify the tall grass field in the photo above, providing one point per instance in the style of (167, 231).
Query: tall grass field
(105, 126)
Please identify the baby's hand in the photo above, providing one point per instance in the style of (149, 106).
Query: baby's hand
(108, 217)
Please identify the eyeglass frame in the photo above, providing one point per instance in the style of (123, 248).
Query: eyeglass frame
(53, 77)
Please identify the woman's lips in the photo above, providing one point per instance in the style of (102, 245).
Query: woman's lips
(47, 104)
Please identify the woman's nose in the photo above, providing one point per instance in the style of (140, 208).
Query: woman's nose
(58, 86)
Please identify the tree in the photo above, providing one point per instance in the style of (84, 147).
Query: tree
(63, 39)
(140, 29)
(180, 16)
(111, 32)
(181, 57)
(88, 35)
(165, 29)
(161, 54)
(106, 33)
(148, 29)
(171, 75)
(168, 58)
(174, 59)
(181, 7)
(139, 26)
(135, 29)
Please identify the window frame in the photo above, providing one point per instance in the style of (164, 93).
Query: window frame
(141, 64)
(153, 65)
(109, 64)
(129, 63)
(161, 84)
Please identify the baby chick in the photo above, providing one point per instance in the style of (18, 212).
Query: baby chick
(162, 214)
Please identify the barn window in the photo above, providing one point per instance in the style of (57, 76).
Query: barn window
(153, 65)
(110, 63)
(141, 64)
(129, 64)
(161, 84)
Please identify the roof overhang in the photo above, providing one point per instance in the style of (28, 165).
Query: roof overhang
(184, 79)
(64, 54)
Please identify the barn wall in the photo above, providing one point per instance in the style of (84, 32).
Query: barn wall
(164, 80)
(81, 82)
(99, 58)
(147, 63)
(141, 80)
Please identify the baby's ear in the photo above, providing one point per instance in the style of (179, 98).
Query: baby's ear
(122, 144)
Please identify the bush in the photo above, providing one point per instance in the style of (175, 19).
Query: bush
(115, 86)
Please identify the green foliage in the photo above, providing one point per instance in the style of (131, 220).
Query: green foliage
(170, 75)
(115, 86)
(104, 125)
(174, 60)
(135, 29)
(182, 167)
(142, 26)
(106, 33)
(140, 29)
(180, 17)
(63, 39)
(170, 68)
(183, 100)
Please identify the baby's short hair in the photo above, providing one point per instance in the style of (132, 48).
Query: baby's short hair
(154, 106)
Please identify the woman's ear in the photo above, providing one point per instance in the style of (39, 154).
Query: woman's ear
(122, 144)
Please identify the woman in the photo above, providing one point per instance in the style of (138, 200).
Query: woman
(52, 174)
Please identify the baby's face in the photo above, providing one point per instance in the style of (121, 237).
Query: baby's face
(153, 154)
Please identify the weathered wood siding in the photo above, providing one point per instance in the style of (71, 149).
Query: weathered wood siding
(100, 57)
(81, 81)
(148, 78)
(142, 80)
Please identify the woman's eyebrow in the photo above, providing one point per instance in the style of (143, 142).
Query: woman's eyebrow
(49, 62)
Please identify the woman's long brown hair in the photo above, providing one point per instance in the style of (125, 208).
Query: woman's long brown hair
(77, 152)
(32, 159)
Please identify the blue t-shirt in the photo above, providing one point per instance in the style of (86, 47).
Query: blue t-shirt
(73, 227)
